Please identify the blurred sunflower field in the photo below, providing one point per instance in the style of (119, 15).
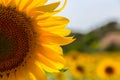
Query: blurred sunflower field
(92, 56)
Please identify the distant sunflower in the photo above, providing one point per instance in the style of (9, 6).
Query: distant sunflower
(31, 39)
(78, 70)
(72, 56)
(108, 69)
(60, 76)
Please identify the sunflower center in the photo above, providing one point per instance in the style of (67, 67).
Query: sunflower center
(74, 57)
(80, 69)
(15, 38)
(109, 70)
(5, 44)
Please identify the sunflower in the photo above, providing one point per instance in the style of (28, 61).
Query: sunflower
(81, 69)
(77, 70)
(108, 69)
(71, 56)
(60, 76)
(31, 38)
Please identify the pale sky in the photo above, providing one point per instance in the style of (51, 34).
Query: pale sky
(84, 15)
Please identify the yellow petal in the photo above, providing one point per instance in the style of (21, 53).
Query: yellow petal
(43, 15)
(49, 10)
(32, 77)
(46, 61)
(62, 6)
(49, 63)
(2, 2)
(21, 74)
(53, 47)
(46, 68)
(58, 31)
(51, 53)
(56, 48)
(50, 38)
(24, 4)
(36, 72)
(17, 2)
(36, 3)
(63, 32)
(12, 3)
(55, 21)
(49, 7)
(6, 2)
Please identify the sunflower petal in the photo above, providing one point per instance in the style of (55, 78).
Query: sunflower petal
(47, 12)
(37, 73)
(52, 7)
(50, 38)
(6, 2)
(17, 3)
(43, 15)
(49, 52)
(21, 75)
(46, 68)
(63, 32)
(2, 2)
(49, 7)
(58, 31)
(32, 77)
(55, 47)
(46, 61)
(59, 40)
(24, 4)
(36, 3)
(58, 22)
(62, 6)
(49, 63)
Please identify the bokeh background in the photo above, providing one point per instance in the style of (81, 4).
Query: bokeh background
(95, 54)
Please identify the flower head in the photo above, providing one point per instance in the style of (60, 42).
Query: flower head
(30, 39)
(108, 69)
